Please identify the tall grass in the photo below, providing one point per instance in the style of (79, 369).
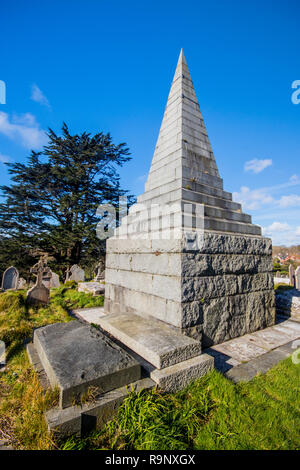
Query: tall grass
(212, 413)
(22, 400)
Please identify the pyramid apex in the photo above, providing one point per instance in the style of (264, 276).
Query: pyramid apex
(181, 59)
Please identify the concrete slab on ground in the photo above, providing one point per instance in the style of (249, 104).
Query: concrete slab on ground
(245, 348)
(95, 288)
(155, 341)
(90, 315)
(239, 349)
(261, 364)
(269, 338)
(77, 356)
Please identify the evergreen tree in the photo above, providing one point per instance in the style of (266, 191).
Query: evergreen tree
(52, 202)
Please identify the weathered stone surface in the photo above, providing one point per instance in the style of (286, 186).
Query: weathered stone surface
(260, 364)
(178, 376)
(95, 288)
(54, 281)
(292, 275)
(297, 278)
(80, 420)
(76, 274)
(90, 315)
(10, 278)
(38, 294)
(77, 356)
(21, 283)
(35, 361)
(155, 341)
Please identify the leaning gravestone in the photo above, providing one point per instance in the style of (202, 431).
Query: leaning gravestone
(10, 279)
(39, 293)
(292, 275)
(77, 274)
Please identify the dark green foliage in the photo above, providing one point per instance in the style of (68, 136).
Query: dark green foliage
(51, 205)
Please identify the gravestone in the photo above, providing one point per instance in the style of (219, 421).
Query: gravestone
(186, 254)
(76, 274)
(10, 279)
(292, 275)
(54, 281)
(297, 277)
(21, 283)
(39, 294)
(278, 274)
(99, 272)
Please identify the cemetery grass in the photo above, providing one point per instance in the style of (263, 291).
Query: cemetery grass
(22, 399)
(211, 414)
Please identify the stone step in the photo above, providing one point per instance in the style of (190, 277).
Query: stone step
(189, 222)
(187, 205)
(185, 194)
(177, 184)
(155, 341)
(77, 356)
(177, 377)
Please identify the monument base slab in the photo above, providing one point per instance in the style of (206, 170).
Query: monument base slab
(77, 356)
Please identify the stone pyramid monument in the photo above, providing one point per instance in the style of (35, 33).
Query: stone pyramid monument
(186, 254)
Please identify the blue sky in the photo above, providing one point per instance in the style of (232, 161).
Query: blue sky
(108, 66)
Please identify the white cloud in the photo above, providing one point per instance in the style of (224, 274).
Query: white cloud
(277, 227)
(38, 96)
(24, 129)
(294, 179)
(289, 201)
(282, 233)
(253, 198)
(4, 158)
(257, 166)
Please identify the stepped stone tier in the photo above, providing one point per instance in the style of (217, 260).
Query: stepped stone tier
(186, 254)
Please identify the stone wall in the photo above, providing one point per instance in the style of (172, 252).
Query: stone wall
(222, 290)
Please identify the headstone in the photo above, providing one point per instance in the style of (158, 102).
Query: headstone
(10, 279)
(99, 272)
(186, 254)
(297, 277)
(77, 274)
(292, 275)
(54, 281)
(278, 274)
(39, 294)
(21, 283)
